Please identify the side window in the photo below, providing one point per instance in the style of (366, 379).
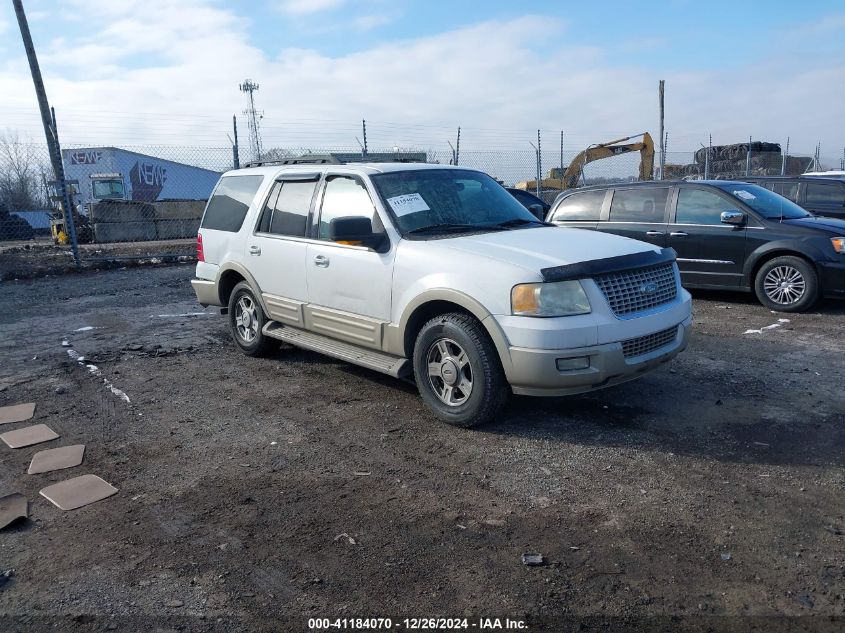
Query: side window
(290, 213)
(640, 204)
(697, 206)
(267, 212)
(787, 190)
(344, 197)
(825, 193)
(227, 208)
(584, 206)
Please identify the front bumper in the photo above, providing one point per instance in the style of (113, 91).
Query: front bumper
(534, 372)
(832, 278)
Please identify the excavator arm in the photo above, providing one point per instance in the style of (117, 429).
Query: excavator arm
(596, 152)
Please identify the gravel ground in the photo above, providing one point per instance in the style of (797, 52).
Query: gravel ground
(258, 493)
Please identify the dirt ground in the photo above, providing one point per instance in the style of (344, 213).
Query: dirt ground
(258, 493)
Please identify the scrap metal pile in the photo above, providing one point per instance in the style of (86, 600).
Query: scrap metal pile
(731, 161)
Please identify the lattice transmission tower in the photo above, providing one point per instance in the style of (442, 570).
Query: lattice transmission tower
(253, 116)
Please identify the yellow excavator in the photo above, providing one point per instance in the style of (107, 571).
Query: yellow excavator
(573, 173)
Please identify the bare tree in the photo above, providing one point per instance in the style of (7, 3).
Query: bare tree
(23, 173)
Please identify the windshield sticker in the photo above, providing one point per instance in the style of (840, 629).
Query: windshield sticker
(745, 195)
(408, 203)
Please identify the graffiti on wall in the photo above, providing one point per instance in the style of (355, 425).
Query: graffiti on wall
(85, 158)
(147, 181)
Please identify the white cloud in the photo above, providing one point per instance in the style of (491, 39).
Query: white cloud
(306, 7)
(168, 73)
(371, 21)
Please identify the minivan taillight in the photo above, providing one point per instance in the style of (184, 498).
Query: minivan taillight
(200, 253)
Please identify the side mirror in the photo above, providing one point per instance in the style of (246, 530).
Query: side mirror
(537, 211)
(356, 231)
(736, 218)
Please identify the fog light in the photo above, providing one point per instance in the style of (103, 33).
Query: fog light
(570, 364)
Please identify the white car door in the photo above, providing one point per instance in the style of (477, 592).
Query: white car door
(349, 287)
(277, 248)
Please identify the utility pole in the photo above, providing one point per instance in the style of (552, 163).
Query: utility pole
(253, 116)
(364, 128)
(48, 120)
(236, 159)
(662, 161)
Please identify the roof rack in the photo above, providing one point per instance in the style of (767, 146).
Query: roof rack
(343, 158)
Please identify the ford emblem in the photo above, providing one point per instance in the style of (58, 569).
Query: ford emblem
(648, 288)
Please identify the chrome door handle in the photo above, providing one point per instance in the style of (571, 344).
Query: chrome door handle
(321, 260)
(255, 250)
(678, 234)
(654, 233)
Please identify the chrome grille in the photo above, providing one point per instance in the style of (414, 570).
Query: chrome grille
(648, 343)
(626, 290)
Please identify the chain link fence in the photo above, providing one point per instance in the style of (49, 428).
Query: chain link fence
(145, 202)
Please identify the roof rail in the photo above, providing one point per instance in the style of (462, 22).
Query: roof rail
(342, 158)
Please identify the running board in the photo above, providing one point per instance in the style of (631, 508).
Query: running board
(371, 359)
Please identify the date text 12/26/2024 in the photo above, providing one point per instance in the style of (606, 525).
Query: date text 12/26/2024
(418, 624)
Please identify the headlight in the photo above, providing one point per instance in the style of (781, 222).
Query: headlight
(838, 244)
(559, 298)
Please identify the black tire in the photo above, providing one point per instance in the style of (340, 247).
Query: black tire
(247, 332)
(787, 284)
(488, 389)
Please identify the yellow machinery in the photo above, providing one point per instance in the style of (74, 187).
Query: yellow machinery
(573, 173)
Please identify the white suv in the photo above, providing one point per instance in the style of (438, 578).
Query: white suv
(436, 273)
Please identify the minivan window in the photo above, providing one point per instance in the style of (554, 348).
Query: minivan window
(228, 206)
(344, 197)
(639, 204)
(825, 193)
(286, 211)
(584, 206)
(767, 203)
(697, 206)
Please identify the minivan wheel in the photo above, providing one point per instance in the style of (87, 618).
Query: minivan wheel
(787, 284)
(458, 372)
(246, 320)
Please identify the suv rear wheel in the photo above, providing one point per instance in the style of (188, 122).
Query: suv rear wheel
(787, 284)
(457, 370)
(246, 320)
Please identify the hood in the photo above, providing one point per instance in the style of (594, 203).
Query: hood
(831, 225)
(546, 247)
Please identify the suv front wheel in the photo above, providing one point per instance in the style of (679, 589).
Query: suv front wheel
(787, 284)
(246, 320)
(457, 370)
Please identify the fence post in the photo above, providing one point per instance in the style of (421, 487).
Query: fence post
(748, 159)
(539, 166)
(785, 159)
(236, 159)
(707, 159)
(458, 146)
(561, 160)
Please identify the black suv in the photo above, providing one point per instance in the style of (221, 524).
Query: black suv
(816, 194)
(728, 235)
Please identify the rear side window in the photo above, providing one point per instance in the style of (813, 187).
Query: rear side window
(696, 206)
(228, 206)
(286, 211)
(641, 204)
(585, 207)
(824, 193)
(788, 190)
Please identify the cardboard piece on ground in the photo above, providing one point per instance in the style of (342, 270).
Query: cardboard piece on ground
(12, 508)
(28, 436)
(17, 413)
(56, 459)
(77, 492)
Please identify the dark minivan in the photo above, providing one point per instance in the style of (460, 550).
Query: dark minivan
(817, 194)
(728, 235)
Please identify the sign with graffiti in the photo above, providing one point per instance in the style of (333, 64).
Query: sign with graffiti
(85, 158)
(147, 181)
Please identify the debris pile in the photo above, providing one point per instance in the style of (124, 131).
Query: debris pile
(731, 161)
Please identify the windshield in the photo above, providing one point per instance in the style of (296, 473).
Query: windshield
(449, 199)
(108, 189)
(767, 203)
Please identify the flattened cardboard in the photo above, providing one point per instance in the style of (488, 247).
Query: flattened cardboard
(28, 436)
(17, 413)
(56, 459)
(13, 507)
(77, 492)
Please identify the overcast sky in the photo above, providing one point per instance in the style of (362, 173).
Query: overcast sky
(167, 72)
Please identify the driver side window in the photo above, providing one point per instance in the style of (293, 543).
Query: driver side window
(344, 197)
(697, 206)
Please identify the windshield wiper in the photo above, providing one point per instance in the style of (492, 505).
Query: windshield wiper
(517, 222)
(448, 227)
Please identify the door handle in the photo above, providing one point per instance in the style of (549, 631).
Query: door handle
(321, 260)
(678, 234)
(654, 233)
(255, 250)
